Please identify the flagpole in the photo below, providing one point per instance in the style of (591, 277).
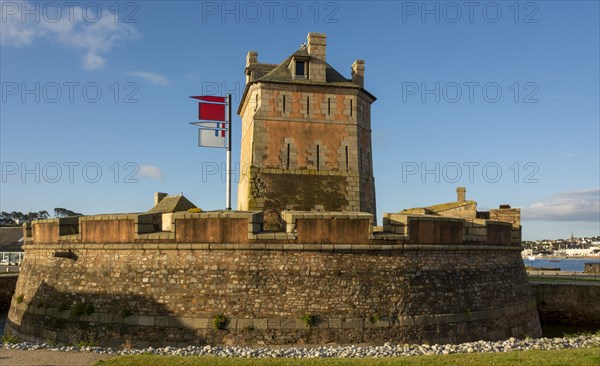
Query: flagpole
(228, 167)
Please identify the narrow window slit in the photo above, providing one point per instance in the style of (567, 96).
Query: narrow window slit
(346, 158)
(318, 158)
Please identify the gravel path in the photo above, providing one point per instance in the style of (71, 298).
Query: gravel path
(14, 354)
(41, 357)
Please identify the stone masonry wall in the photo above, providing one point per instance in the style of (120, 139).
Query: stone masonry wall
(168, 294)
(568, 303)
(7, 290)
(283, 126)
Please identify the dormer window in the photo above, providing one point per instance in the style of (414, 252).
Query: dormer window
(300, 70)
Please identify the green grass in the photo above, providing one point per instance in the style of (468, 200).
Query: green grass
(583, 357)
(551, 278)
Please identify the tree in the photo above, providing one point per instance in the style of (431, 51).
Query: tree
(6, 218)
(63, 212)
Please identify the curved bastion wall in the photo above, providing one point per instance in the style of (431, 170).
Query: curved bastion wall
(328, 279)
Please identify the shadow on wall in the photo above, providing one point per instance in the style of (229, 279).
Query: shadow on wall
(102, 319)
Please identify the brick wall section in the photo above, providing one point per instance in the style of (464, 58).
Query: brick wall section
(338, 231)
(567, 303)
(7, 291)
(212, 230)
(512, 215)
(45, 231)
(428, 231)
(107, 231)
(499, 233)
(358, 294)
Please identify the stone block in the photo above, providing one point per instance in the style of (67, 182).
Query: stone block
(274, 323)
(186, 322)
(161, 321)
(335, 323)
(147, 321)
(259, 324)
(355, 323)
(288, 323)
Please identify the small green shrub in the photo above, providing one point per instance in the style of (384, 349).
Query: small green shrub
(10, 339)
(375, 318)
(50, 342)
(20, 298)
(80, 308)
(195, 210)
(219, 321)
(87, 342)
(308, 320)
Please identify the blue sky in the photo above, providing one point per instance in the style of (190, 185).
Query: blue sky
(95, 108)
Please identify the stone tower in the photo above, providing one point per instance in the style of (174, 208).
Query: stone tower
(306, 136)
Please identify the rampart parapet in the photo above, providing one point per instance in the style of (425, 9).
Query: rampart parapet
(301, 227)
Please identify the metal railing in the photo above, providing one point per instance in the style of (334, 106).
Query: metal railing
(11, 258)
(558, 276)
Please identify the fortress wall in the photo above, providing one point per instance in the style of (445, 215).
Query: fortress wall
(7, 290)
(170, 293)
(569, 304)
(420, 281)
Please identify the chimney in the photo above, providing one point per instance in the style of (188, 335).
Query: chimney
(158, 196)
(358, 72)
(461, 193)
(316, 49)
(317, 44)
(251, 58)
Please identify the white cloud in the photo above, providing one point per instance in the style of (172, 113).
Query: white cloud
(151, 171)
(15, 33)
(568, 206)
(93, 61)
(72, 29)
(151, 77)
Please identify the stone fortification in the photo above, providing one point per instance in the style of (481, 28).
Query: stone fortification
(328, 278)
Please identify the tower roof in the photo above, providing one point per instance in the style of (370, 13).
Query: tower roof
(280, 73)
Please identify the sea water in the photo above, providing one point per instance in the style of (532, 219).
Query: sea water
(565, 264)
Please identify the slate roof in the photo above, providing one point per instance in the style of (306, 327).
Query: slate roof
(173, 204)
(11, 239)
(280, 73)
